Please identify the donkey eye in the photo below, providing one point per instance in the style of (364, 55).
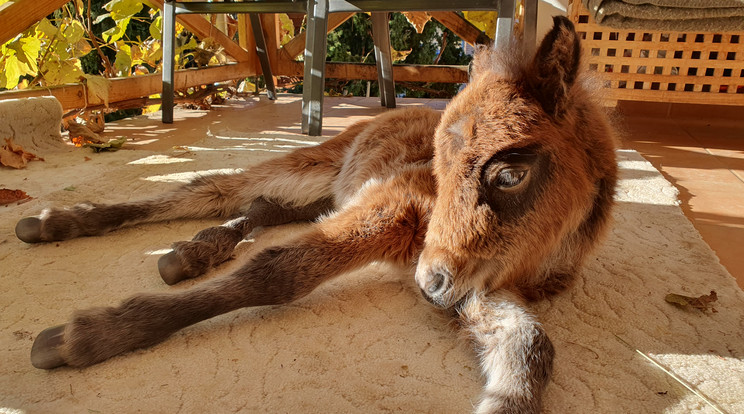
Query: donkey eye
(509, 177)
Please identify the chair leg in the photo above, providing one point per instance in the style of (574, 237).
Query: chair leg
(529, 37)
(505, 23)
(381, 38)
(169, 55)
(263, 56)
(314, 77)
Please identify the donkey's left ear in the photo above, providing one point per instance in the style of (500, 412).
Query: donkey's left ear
(555, 67)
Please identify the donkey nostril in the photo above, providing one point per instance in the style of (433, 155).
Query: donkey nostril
(435, 283)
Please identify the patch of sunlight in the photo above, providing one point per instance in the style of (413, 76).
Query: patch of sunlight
(8, 410)
(158, 159)
(268, 139)
(268, 145)
(261, 150)
(144, 141)
(555, 3)
(184, 177)
(636, 165)
(292, 128)
(346, 105)
(158, 252)
(290, 141)
(190, 148)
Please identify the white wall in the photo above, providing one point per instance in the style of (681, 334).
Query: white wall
(546, 9)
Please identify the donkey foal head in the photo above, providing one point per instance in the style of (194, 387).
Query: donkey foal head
(519, 157)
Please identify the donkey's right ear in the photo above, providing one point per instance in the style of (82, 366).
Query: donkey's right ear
(555, 67)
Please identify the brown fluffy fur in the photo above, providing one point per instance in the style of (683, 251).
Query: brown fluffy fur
(495, 202)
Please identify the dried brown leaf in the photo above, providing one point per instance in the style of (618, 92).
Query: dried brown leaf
(8, 196)
(14, 156)
(81, 133)
(703, 302)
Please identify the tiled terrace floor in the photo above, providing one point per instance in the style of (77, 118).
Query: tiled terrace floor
(701, 151)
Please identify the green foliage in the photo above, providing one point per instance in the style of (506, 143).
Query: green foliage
(104, 38)
(352, 42)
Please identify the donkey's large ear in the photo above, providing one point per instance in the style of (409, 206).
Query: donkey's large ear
(555, 67)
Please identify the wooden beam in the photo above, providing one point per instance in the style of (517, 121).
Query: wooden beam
(296, 46)
(22, 14)
(202, 28)
(402, 73)
(703, 98)
(125, 89)
(461, 27)
(246, 40)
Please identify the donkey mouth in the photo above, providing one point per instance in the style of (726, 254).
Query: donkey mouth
(446, 301)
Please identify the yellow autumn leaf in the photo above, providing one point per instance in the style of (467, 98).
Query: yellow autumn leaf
(399, 55)
(418, 19)
(98, 86)
(286, 29)
(484, 20)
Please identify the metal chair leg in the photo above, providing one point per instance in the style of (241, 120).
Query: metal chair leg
(381, 38)
(314, 77)
(529, 37)
(263, 56)
(169, 55)
(505, 23)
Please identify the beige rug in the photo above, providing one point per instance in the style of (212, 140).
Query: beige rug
(366, 342)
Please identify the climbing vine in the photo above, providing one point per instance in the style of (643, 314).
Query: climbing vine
(86, 39)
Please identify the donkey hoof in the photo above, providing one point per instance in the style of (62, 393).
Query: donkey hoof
(45, 350)
(29, 230)
(171, 268)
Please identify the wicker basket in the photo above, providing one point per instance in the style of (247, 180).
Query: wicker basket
(675, 67)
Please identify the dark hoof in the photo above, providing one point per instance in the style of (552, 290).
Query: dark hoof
(171, 268)
(29, 230)
(45, 350)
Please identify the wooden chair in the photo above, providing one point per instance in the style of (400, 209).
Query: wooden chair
(315, 42)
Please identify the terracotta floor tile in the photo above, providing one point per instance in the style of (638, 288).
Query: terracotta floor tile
(706, 111)
(713, 129)
(704, 159)
(707, 175)
(728, 244)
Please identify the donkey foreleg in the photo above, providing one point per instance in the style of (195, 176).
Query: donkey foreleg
(390, 230)
(215, 245)
(515, 353)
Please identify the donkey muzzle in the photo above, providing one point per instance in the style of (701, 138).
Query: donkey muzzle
(435, 285)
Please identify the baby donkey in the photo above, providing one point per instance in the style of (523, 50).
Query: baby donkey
(496, 202)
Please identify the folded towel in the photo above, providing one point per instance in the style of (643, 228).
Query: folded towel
(694, 15)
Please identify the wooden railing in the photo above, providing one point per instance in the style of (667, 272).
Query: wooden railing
(127, 91)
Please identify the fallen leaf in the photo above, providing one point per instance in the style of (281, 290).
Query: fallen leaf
(112, 145)
(11, 196)
(87, 158)
(702, 303)
(15, 156)
(81, 134)
(70, 188)
(94, 120)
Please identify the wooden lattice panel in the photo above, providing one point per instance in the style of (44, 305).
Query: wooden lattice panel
(663, 66)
